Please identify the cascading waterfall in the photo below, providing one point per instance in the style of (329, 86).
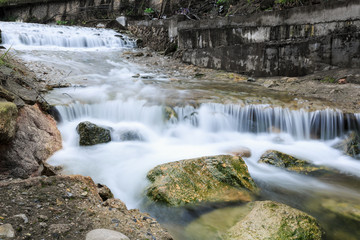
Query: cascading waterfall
(143, 136)
(24, 34)
(214, 117)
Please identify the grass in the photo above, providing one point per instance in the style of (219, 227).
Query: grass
(4, 56)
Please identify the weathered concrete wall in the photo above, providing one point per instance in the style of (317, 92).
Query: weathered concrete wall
(294, 42)
(55, 10)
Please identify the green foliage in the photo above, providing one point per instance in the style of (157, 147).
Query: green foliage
(4, 56)
(149, 10)
(222, 2)
(328, 79)
(72, 22)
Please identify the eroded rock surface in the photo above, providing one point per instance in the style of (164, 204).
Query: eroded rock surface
(220, 178)
(35, 140)
(69, 207)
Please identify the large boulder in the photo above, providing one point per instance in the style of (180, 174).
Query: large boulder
(69, 207)
(8, 115)
(220, 178)
(91, 134)
(350, 145)
(255, 220)
(272, 220)
(35, 140)
(291, 163)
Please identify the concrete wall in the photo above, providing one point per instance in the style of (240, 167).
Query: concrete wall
(55, 10)
(292, 43)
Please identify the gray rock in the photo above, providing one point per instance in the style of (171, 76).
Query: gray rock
(7, 230)
(91, 134)
(23, 217)
(350, 145)
(59, 228)
(105, 234)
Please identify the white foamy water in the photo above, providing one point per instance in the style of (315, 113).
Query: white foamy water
(105, 92)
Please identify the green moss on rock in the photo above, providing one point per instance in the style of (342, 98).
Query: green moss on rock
(8, 115)
(350, 145)
(291, 163)
(207, 179)
(275, 221)
(91, 134)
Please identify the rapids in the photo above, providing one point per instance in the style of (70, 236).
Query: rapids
(106, 90)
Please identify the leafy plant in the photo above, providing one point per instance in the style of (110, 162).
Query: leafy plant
(221, 2)
(61, 22)
(149, 10)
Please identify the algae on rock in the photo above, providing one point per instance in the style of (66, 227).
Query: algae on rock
(222, 178)
(91, 134)
(8, 115)
(291, 163)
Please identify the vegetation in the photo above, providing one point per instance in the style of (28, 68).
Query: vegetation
(4, 56)
(149, 11)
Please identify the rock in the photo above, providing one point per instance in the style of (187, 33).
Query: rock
(291, 163)
(344, 209)
(53, 215)
(114, 24)
(222, 178)
(350, 145)
(105, 234)
(8, 115)
(130, 135)
(169, 114)
(270, 83)
(342, 81)
(7, 230)
(91, 134)
(36, 139)
(23, 217)
(104, 192)
(241, 152)
(272, 220)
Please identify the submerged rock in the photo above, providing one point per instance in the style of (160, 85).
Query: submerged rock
(272, 220)
(91, 134)
(220, 178)
(345, 209)
(350, 145)
(8, 115)
(291, 163)
(169, 114)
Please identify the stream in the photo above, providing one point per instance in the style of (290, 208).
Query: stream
(109, 90)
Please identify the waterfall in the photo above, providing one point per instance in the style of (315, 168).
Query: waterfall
(24, 34)
(215, 117)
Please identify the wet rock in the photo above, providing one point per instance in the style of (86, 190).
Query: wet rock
(291, 163)
(131, 136)
(222, 178)
(169, 113)
(105, 234)
(5, 94)
(241, 152)
(344, 209)
(7, 231)
(272, 220)
(115, 25)
(36, 139)
(8, 115)
(91, 134)
(270, 83)
(104, 192)
(350, 145)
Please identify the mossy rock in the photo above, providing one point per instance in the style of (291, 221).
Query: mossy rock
(91, 134)
(271, 220)
(8, 115)
(169, 114)
(350, 145)
(294, 164)
(222, 178)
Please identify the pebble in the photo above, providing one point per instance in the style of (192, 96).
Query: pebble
(105, 234)
(7, 230)
(23, 216)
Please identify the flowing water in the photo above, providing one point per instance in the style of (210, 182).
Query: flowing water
(107, 90)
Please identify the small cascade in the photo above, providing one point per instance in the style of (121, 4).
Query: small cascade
(18, 34)
(214, 117)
